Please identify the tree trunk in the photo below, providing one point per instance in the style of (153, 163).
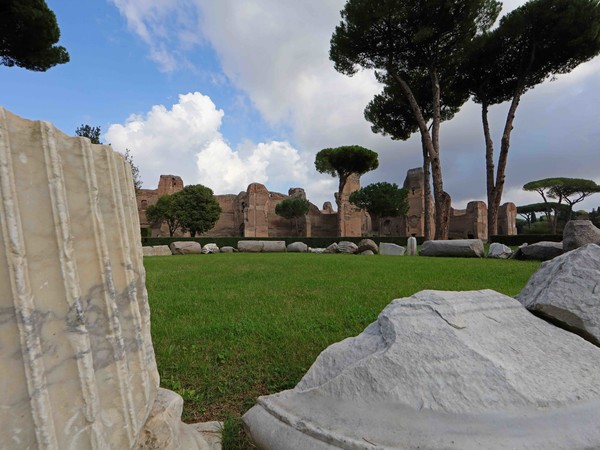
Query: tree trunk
(427, 235)
(432, 151)
(441, 208)
(341, 223)
(492, 213)
(498, 187)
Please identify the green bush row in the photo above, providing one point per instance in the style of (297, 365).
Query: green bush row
(521, 239)
(314, 242)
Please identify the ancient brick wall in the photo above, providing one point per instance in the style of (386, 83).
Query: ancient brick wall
(470, 223)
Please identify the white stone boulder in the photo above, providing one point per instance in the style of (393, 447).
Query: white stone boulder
(567, 289)
(228, 249)
(347, 247)
(442, 370)
(274, 247)
(148, 250)
(162, 250)
(210, 249)
(261, 246)
(185, 248)
(250, 246)
(388, 248)
(367, 252)
(578, 233)
(316, 250)
(499, 251)
(332, 248)
(367, 244)
(164, 429)
(540, 251)
(297, 247)
(465, 248)
(411, 246)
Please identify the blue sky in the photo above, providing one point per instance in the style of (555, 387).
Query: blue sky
(227, 93)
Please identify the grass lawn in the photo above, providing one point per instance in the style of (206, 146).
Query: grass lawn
(230, 327)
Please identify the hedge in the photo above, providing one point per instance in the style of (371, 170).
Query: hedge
(521, 239)
(314, 242)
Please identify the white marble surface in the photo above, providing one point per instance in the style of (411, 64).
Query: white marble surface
(78, 367)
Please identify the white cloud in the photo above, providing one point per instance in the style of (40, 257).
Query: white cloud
(186, 141)
(276, 52)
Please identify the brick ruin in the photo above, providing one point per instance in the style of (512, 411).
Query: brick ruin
(251, 213)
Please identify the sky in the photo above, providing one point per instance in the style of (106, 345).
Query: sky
(226, 93)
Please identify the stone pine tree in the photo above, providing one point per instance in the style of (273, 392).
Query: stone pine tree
(391, 115)
(196, 208)
(568, 190)
(381, 200)
(402, 39)
(292, 209)
(534, 42)
(28, 32)
(342, 162)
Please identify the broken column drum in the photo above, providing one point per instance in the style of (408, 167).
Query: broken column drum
(78, 366)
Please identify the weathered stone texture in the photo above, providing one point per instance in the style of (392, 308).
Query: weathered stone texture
(185, 248)
(387, 248)
(459, 247)
(567, 289)
(411, 246)
(507, 219)
(578, 233)
(297, 247)
(162, 250)
(540, 251)
(442, 370)
(347, 247)
(367, 244)
(470, 223)
(78, 367)
(499, 251)
(261, 246)
(210, 248)
(251, 213)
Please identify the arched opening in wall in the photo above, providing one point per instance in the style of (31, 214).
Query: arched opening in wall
(242, 230)
(470, 236)
(174, 181)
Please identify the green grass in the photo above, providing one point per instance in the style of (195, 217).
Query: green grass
(230, 327)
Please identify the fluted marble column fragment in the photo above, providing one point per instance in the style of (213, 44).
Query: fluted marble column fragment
(76, 356)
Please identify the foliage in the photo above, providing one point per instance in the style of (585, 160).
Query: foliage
(381, 200)
(92, 133)
(390, 112)
(570, 190)
(343, 162)
(225, 342)
(292, 209)
(196, 209)
(165, 210)
(594, 216)
(534, 42)
(135, 170)
(28, 32)
(412, 46)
